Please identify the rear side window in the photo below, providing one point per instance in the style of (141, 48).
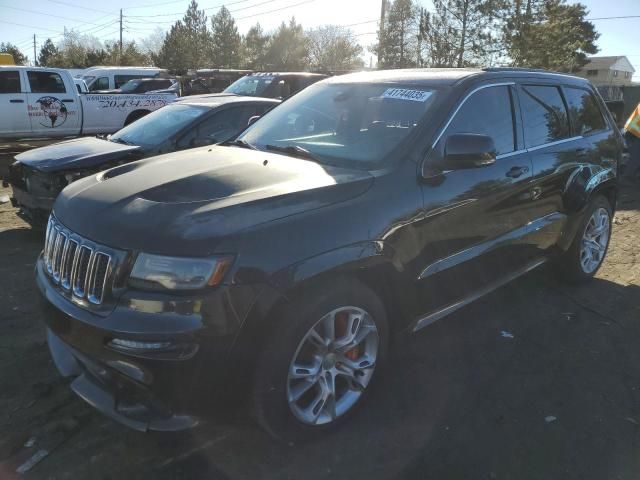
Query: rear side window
(585, 113)
(120, 80)
(46, 82)
(487, 112)
(10, 82)
(544, 115)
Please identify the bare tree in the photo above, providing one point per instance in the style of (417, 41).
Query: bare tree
(335, 48)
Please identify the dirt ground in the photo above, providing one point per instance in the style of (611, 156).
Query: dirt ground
(556, 396)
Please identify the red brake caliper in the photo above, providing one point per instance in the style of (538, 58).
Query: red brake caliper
(341, 325)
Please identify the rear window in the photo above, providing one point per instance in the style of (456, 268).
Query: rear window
(46, 82)
(544, 115)
(10, 82)
(585, 113)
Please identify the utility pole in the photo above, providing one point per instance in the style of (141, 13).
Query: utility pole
(35, 59)
(383, 11)
(120, 58)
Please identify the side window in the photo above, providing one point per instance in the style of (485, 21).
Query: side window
(101, 83)
(487, 112)
(10, 81)
(46, 82)
(120, 80)
(217, 128)
(544, 115)
(585, 113)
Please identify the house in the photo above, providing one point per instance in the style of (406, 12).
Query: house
(608, 71)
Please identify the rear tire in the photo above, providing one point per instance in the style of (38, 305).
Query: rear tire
(587, 252)
(305, 382)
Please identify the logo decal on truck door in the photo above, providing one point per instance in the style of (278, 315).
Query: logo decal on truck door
(51, 112)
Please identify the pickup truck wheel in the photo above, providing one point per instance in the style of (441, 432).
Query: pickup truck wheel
(587, 252)
(319, 365)
(133, 116)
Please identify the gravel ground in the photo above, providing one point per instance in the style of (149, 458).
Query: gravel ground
(560, 399)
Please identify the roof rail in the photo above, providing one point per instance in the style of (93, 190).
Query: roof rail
(524, 69)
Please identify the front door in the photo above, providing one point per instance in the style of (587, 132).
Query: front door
(54, 107)
(474, 222)
(14, 120)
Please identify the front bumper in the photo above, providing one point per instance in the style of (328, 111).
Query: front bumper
(33, 209)
(168, 389)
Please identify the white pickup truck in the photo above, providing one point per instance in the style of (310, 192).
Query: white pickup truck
(45, 102)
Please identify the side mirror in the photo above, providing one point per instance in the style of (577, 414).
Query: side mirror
(468, 150)
(252, 120)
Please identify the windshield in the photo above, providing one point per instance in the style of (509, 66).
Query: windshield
(153, 129)
(88, 78)
(130, 86)
(250, 85)
(353, 125)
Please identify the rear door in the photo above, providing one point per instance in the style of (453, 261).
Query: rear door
(555, 152)
(475, 224)
(14, 118)
(54, 107)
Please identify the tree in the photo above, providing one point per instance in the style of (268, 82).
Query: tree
(397, 41)
(226, 43)
(131, 54)
(254, 46)
(188, 42)
(288, 48)
(18, 57)
(152, 44)
(559, 38)
(332, 47)
(49, 54)
(459, 32)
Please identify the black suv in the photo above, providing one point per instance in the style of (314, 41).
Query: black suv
(273, 85)
(277, 267)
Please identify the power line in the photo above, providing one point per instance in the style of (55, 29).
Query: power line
(50, 15)
(624, 17)
(204, 9)
(276, 10)
(80, 6)
(28, 26)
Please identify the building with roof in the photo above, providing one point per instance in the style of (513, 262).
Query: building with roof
(608, 71)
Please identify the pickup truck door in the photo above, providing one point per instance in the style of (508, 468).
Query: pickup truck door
(53, 104)
(14, 120)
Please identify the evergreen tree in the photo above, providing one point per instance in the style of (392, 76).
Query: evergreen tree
(398, 40)
(255, 45)
(48, 54)
(226, 43)
(18, 57)
(288, 48)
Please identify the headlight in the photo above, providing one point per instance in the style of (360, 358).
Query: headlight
(178, 273)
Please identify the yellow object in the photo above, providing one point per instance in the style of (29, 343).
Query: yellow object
(6, 59)
(633, 124)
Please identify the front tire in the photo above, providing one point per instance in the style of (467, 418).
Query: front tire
(328, 346)
(586, 254)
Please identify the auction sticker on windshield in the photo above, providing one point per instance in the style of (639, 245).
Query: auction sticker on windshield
(404, 94)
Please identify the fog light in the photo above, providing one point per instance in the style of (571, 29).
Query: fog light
(134, 345)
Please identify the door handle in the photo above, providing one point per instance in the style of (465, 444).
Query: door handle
(516, 172)
(16, 100)
(67, 100)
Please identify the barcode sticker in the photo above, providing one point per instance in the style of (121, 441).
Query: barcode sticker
(403, 94)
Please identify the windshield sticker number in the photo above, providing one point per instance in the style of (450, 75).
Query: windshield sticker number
(403, 94)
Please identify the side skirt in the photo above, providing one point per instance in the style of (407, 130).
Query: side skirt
(432, 317)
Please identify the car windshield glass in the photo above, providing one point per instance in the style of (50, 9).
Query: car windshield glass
(153, 129)
(88, 78)
(353, 125)
(250, 85)
(130, 86)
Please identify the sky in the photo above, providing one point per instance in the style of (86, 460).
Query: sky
(19, 21)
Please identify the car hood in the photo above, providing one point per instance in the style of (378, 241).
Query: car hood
(77, 153)
(185, 202)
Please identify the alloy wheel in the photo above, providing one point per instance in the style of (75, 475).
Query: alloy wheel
(332, 366)
(595, 240)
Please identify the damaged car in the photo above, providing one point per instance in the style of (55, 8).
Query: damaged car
(39, 175)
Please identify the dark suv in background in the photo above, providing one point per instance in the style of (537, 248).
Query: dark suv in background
(276, 268)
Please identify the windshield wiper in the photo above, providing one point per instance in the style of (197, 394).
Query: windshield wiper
(238, 143)
(294, 150)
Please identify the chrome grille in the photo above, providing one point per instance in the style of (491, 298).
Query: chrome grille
(75, 264)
